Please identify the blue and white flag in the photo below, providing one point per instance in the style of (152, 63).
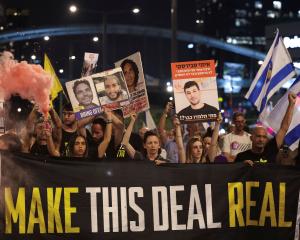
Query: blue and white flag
(276, 69)
(274, 119)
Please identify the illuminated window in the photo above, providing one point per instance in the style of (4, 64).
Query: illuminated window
(272, 14)
(277, 5)
(240, 12)
(240, 22)
(257, 14)
(260, 41)
(240, 40)
(258, 4)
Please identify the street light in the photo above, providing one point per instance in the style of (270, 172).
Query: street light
(136, 10)
(95, 39)
(73, 9)
(190, 45)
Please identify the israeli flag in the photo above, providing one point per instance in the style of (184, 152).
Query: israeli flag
(276, 69)
(274, 119)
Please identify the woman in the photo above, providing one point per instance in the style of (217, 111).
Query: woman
(78, 147)
(151, 145)
(194, 152)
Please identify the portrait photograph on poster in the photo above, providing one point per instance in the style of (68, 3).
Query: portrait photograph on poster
(111, 88)
(195, 91)
(89, 64)
(83, 97)
(134, 76)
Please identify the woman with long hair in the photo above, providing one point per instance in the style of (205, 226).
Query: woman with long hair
(78, 146)
(151, 144)
(194, 152)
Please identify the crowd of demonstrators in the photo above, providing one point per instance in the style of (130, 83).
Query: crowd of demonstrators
(263, 150)
(190, 143)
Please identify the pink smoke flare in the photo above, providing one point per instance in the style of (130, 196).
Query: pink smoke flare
(30, 81)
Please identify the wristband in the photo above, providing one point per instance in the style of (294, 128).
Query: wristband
(108, 121)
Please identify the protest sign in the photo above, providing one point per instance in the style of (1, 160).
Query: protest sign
(195, 91)
(135, 81)
(83, 97)
(55, 198)
(111, 88)
(89, 64)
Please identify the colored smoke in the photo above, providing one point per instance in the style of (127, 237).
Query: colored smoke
(30, 81)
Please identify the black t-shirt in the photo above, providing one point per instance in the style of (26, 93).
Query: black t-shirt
(206, 113)
(115, 152)
(92, 146)
(267, 156)
(38, 149)
(66, 137)
(141, 157)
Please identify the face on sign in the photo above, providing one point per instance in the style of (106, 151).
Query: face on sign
(112, 88)
(84, 94)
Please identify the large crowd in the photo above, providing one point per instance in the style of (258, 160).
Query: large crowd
(106, 136)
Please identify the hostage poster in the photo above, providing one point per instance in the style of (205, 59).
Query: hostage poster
(111, 88)
(195, 91)
(135, 81)
(83, 97)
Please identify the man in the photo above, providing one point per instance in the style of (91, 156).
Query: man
(97, 129)
(101, 136)
(70, 127)
(84, 95)
(238, 140)
(197, 109)
(113, 90)
(131, 73)
(265, 151)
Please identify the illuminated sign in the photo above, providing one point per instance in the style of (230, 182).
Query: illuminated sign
(292, 42)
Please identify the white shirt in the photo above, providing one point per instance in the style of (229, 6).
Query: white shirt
(234, 144)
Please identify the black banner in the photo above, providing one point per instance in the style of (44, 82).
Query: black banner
(53, 198)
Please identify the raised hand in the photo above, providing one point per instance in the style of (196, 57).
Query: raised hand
(292, 98)
(168, 108)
